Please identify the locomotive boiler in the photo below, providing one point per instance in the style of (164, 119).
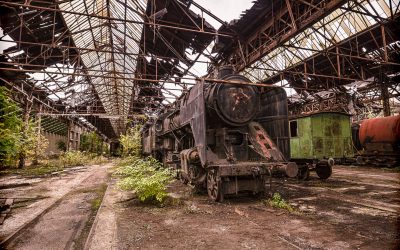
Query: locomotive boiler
(224, 137)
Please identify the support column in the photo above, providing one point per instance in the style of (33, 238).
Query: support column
(385, 52)
(385, 99)
(338, 61)
(25, 127)
(69, 135)
(78, 138)
(39, 134)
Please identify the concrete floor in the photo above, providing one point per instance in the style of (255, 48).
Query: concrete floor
(54, 212)
(357, 208)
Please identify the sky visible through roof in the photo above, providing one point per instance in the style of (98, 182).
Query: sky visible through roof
(226, 10)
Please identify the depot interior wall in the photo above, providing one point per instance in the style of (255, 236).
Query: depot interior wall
(54, 140)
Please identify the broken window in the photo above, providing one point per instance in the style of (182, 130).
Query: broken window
(293, 128)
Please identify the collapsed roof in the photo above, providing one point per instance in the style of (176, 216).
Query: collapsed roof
(107, 61)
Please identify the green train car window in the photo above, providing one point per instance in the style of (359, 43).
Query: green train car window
(293, 129)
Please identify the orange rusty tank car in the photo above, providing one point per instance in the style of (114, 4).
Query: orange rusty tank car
(380, 140)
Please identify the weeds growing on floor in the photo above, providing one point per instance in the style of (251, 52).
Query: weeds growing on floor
(49, 166)
(39, 170)
(146, 177)
(393, 169)
(278, 202)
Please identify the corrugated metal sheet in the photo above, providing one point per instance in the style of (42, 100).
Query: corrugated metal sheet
(334, 28)
(108, 40)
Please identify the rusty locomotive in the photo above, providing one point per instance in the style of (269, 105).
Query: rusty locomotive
(224, 137)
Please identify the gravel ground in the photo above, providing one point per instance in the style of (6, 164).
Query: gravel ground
(357, 208)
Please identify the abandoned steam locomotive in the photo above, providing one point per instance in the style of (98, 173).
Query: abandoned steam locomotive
(224, 137)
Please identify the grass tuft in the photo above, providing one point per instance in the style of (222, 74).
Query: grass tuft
(278, 202)
(146, 177)
(39, 170)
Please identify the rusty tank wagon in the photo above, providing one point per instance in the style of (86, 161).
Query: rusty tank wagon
(378, 141)
(224, 137)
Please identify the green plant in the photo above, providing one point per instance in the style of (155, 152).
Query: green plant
(278, 202)
(74, 158)
(91, 142)
(131, 141)
(61, 146)
(78, 158)
(10, 128)
(105, 149)
(32, 143)
(44, 169)
(37, 151)
(146, 177)
(98, 159)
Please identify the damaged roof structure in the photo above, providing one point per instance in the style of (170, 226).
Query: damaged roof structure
(321, 49)
(107, 62)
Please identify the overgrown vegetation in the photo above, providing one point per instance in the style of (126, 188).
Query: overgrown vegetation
(131, 142)
(278, 202)
(78, 158)
(74, 158)
(43, 169)
(10, 128)
(49, 166)
(34, 143)
(62, 146)
(146, 177)
(14, 140)
(21, 138)
(92, 142)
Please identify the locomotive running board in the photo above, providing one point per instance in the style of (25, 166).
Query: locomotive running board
(263, 144)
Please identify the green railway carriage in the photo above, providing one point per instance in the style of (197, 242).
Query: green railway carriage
(319, 139)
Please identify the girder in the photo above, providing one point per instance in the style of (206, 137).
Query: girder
(110, 60)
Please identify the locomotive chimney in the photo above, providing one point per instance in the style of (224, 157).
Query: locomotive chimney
(225, 70)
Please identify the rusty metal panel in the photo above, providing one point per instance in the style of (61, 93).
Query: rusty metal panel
(305, 134)
(322, 135)
(380, 130)
(263, 144)
(193, 112)
(273, 116)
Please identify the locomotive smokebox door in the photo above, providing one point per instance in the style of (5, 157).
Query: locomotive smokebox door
(234, 105)
(237, 105)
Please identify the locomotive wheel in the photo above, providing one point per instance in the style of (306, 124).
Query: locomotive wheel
(324, 171)
(183, 180)
(304, 173)
(214, 185)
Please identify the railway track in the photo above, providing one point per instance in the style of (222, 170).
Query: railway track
(66, 222)
(5, 242)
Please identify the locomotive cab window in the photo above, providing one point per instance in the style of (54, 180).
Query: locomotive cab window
(293, 128)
